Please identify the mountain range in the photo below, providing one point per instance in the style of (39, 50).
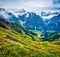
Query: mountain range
(32, 21)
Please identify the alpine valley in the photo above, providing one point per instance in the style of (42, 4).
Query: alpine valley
(28, 34)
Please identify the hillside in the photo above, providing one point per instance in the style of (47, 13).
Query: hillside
(15, 44)
(51, 36)
(16, 27)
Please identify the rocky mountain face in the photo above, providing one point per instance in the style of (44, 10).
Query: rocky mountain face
(32, 21)
(53, 23)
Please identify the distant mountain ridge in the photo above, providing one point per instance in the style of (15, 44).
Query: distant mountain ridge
(32, 21)
(54, 23)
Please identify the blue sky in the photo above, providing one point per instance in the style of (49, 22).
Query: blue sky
(30, 4)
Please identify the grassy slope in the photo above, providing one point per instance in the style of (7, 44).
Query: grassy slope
(52, 37)
(13, 44)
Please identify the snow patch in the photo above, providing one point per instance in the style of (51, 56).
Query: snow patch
(27, 15)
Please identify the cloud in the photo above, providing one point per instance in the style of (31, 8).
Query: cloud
(32, 4)
(1, 5)
(39, 3)
(27, 4)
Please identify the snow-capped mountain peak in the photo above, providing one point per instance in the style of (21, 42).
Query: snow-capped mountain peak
(48, 15)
